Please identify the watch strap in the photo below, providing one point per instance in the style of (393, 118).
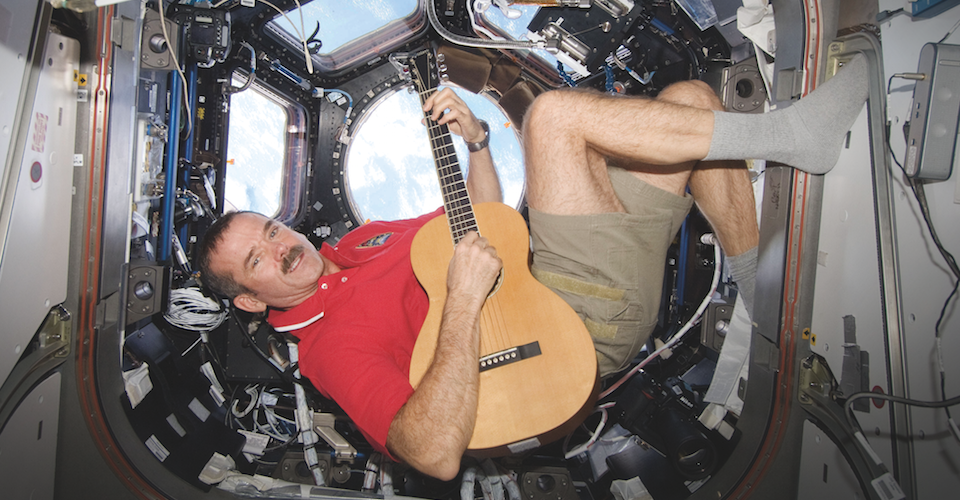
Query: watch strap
(477, 146)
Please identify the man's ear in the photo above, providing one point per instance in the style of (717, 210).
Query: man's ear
(249, 303)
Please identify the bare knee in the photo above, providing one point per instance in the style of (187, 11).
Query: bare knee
(692, 93)
(551, 111)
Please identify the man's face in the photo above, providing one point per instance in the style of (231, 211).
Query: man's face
(280, 266)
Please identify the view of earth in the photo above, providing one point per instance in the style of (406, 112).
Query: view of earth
(389, 166)
(255, 152)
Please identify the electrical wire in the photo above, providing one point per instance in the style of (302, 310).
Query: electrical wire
(303, 39)
(346, 115)
(918, 192)
(176, 62)
(253, 343)
(954, 28)
(190, 309)
(299, 32)
(594, 436)
(253, 71)
(676, 338)
(848, 405)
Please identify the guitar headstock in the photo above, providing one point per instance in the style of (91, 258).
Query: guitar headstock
(423, 68)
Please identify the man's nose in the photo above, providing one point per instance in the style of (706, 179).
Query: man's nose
(280, 250)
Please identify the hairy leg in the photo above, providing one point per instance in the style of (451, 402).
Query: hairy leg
(724, 194)
(721, 189)
(569, 134)
(567, 166)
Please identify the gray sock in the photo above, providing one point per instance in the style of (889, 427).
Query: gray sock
(743, 269)
(807, 135)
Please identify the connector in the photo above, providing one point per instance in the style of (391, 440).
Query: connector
(911, 76)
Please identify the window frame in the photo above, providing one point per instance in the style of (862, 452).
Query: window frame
(361, 49)
(295, 163)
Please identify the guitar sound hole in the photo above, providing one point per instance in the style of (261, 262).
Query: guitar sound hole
(496, 284)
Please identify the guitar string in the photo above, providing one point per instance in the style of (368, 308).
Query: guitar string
(488, 343)
(462, 219)
(495, 313)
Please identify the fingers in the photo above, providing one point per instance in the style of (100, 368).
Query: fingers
(475, 265)
(478, 247)
(446, 108)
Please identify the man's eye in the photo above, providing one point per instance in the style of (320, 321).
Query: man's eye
(273, 232)
(256, 261)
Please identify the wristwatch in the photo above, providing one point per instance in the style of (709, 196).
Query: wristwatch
(477, 146)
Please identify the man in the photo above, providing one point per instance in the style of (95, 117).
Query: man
(606, 187)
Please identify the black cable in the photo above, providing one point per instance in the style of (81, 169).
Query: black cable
(253, 343)
(848, 405)
(917, 188)
(921, 196)
(943, 376)
(887, 14)
(954, 28)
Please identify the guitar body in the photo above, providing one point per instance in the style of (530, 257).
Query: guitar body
(531, 401)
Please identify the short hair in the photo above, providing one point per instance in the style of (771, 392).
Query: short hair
(220, 283)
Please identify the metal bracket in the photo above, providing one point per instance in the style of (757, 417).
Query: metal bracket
(54, 348)
(817, 393)
(55, 333)
(789, 84)
(122, 32)
(397, 60)
(323, 424)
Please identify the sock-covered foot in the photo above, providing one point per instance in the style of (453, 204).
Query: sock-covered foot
(807, 135)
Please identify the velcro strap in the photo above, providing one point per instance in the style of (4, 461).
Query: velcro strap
(575, 286)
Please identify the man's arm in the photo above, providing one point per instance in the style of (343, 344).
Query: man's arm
(482, 181)
(434, 427)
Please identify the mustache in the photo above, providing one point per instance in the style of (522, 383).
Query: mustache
(295, 252)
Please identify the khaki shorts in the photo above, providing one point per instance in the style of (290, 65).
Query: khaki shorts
(609, 267)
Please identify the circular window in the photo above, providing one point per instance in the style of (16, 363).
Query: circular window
(389, 171)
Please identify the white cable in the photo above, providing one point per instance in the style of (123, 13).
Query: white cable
(305, 421)
(183, 77)
(254, 397)
(708, 238)
(300, 33)
(190, 309)
(303, 38)
(494, 482)
(371, 472)
(593, 436)
(386, 479)
(468, 483)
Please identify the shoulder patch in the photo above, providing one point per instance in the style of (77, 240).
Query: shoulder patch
(376, 241)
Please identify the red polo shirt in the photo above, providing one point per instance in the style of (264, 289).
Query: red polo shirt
(358, 331)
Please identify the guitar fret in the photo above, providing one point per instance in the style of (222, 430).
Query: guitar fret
(459, 211)
(452, 190)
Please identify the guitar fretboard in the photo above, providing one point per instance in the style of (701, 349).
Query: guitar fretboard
(453, 186)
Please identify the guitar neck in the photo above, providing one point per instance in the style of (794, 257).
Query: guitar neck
(453, 186)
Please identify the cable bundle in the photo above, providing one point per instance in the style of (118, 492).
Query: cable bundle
(190, 309)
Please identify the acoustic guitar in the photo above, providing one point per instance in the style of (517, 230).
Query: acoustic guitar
(538, 367)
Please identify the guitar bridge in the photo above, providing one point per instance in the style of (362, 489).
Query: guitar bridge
(507, 356)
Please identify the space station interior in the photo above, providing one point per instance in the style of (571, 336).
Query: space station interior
(130, 126)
